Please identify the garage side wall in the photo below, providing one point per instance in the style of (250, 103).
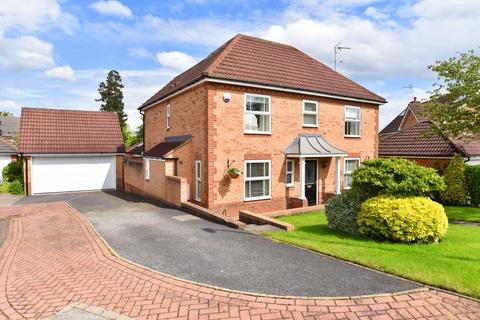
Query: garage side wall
(159, 186)
(27, 175)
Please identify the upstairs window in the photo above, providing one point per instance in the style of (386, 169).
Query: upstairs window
(289, 174)
(349, 167)
(310, 113)
(168, 116)
(352, 121)
(257, 114)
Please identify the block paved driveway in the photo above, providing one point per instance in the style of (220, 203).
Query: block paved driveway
(182, 245)
(52, 257)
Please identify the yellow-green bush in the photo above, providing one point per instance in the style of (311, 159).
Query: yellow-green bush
(409, 219)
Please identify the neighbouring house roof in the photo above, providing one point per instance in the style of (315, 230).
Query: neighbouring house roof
(394, 125)
(136, 149)
(7, 146)
(166, 146)
(61, 131)
(312, 145)
(9, 126)
(256, 61)
(413, 142)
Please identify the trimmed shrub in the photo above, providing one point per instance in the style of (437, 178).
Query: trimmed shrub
(409, 219)
(342, 211)
(396, 177)
(15, 187)
(13, 171)
(4, 186)
(472, 181)
(455, 192)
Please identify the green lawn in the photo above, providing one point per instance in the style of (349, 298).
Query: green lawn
(463, 213)
(453, 264)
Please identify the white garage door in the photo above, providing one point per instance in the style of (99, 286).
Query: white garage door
(74, 173)
(4, 160)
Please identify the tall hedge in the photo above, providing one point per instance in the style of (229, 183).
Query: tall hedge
(396, 177)
(455, 192)
(472, 182)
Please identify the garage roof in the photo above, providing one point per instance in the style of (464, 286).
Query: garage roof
(60, 131)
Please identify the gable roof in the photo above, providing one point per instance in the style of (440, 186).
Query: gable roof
(252, 60)
(418, 110)
(69, 131)
(412, 142)
(7, 146)
(9, 126)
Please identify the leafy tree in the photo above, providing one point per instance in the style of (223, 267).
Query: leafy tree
(455, 193)
(6, 113)
(396, 177)
(111, 96)
(455, 100)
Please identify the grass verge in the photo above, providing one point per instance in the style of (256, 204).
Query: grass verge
(453, 263)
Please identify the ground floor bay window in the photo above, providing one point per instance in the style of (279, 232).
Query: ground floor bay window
(257, 179)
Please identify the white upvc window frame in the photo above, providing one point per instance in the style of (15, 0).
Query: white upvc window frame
(291, 172)
(269, 113)
(359, 120)
(246, 179)
(198, 180)
(304, 112)
(147, 168)
(349, 173)
(168, 116)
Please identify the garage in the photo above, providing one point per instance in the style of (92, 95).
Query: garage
(72, 173)
(70, 150)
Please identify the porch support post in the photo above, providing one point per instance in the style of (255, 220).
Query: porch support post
(302, 178)
(337, 175)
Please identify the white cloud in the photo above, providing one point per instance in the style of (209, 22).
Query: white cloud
(9, 105)
(64, 73)
(175, 60)
(140, 53)
(24, 53)
(111, 7)
(375, 13)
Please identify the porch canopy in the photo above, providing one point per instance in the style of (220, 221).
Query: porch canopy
(314, 146)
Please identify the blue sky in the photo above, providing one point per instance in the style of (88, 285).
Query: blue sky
(53, 53)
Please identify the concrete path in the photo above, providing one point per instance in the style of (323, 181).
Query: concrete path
(185, 246)
(52, 257)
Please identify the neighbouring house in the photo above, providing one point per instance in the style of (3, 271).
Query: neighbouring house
(294, 127)
(9, 126)
(70, 150)
(408, 136)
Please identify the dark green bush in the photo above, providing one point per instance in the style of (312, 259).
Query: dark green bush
(342, 211)
(455, 192)
(396, 177)
(13, 171)
(409, 219)
(15, 187)
(472, 181)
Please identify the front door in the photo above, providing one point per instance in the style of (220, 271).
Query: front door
(311, 181)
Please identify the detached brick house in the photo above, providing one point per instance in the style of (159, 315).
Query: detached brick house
(294, 128)
(406, 137)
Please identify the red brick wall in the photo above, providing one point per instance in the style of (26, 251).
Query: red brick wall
(188, 114)
(439, 164)
(227, 141)
(409, 121)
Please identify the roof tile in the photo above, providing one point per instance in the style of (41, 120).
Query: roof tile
(69, 131)
(253, 60)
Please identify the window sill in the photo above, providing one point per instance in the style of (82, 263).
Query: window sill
(351, 136)
(310, 125)
(259, 133)
(257, 199)
(290, 185)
